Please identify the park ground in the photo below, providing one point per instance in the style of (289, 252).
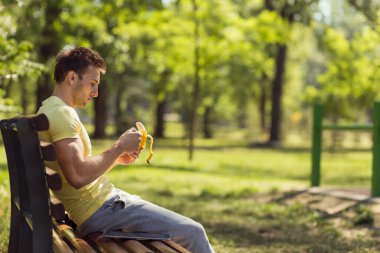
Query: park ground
(231, 189)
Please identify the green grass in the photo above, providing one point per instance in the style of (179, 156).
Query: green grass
(228, 188)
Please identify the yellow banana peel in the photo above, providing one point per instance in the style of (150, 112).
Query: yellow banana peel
(144, 138)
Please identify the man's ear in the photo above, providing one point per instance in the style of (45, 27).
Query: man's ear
(71, 76)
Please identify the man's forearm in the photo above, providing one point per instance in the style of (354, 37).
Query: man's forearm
(92, 167)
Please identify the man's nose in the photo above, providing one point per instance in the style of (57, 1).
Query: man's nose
(95, 92)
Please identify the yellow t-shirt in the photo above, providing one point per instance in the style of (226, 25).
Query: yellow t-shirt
(64, 123)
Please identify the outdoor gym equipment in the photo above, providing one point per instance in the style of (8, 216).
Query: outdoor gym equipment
(318, 127)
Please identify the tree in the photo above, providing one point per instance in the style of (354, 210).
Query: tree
(369, 9)
(15, 58)
(153, 53)
(49, 43)
(291, 11)
(350, 82)
(98, 24)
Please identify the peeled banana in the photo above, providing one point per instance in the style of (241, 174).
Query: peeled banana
(144, 137)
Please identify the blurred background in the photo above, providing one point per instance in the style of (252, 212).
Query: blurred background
(227, 88)
(208, 65)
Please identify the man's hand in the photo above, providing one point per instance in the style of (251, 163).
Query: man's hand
(129, 141)
(127, 158)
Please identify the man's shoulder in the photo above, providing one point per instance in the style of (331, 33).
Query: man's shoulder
(63, 119)
(67, 110)
(64, 122)
(59, 112)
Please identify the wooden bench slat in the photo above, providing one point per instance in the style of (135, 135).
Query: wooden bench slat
(48, 151)
(83, 246)
(176, 246)
(134, 246)
(59, 246)
(108, 246)
(79, 244)
(164, 248)
(53, 179)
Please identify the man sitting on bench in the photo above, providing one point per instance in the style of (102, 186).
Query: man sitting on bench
(91, 201)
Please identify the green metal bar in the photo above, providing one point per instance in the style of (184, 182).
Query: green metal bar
(348, 127)
(316, 146)
(375, 187)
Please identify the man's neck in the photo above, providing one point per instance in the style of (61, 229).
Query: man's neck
(64, 94)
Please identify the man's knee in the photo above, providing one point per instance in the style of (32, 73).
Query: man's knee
(196, 227)
(195, 231)
(195, 238)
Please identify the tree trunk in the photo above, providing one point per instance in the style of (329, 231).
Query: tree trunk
(24, 96)
(160, 113)
(262, 109)
(370, 12)
(49, 47)
(7, 88)
(262, 105)
(119, 115)
(269, 5)
(277, 88)
(44, 88)
(207, 131)
(100, 120)
(159, 129)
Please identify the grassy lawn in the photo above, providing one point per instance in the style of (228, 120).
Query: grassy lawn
(228, 187)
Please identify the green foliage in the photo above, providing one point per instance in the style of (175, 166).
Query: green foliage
(350, 82)
(4, 217)
(14, 55)
(345, 64)
(5, 203)
(15, 59)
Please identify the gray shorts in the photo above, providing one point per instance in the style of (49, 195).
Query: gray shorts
(131, 213)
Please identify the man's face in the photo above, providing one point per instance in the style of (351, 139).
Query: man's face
(86, 88)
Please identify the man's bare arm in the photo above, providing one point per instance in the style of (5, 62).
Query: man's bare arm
(79, 170)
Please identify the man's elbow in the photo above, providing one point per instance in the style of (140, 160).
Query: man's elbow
(74, 177)
(76, 183)
(77, 186)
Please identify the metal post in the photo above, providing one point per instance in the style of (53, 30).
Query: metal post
(316, 146)
(375, 187)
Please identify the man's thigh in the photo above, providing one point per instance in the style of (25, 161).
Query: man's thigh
(131, 213)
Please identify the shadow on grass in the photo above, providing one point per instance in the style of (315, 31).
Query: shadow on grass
(224, 170)
(338, 150)
(294, 237)
(259, 173)
(250, 236)
(163, 167)
(276, 227)
(200, 147)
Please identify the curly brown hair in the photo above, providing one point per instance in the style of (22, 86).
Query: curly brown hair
(77, 60)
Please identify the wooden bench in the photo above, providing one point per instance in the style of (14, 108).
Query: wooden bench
(38, 220)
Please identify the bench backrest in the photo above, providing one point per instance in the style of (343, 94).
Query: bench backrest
(31, 205)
